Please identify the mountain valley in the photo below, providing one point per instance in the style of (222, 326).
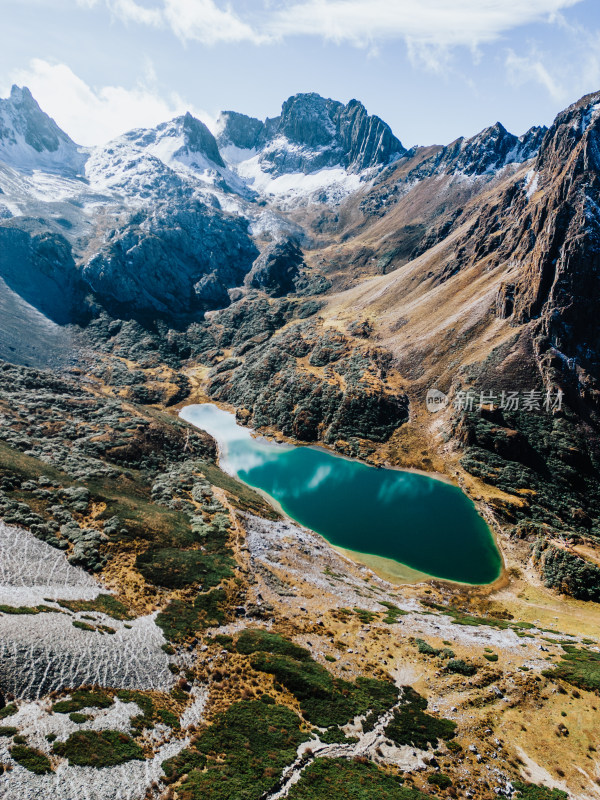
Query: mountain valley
(165, 630)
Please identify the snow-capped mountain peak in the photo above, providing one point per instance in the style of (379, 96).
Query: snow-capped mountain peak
(30, 139)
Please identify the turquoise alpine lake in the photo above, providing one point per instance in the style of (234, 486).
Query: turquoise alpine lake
(422, 522)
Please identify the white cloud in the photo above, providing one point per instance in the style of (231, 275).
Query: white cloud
(523, 69)
(93, 116)
(128, 10)
(205, 22)
(424, 22)
(574, 70)
(429, 27)
(199, 20)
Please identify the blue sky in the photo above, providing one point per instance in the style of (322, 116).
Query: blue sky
(432, 69)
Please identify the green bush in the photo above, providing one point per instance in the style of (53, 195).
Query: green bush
(329, 778)
(78, 718)
(83, 698)
(99, 749)
(530, 791)
(256, 640)
(33, 760)
(184, 618)
(393, 612)
(150, 714)
(579, 667)
(241, 755)
(8, 711)
(461, 667)
(425, 648)
(104, 604)
(324, 700)
(440, 780)
(176, 569)
(410, 724)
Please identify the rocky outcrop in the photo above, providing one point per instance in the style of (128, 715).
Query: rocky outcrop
(172, 260)
(314, 133)
(277, 269)
(548, 226)
(325, 133)
(39, 266)
(485, 153)
(344, 402)
(238, 130)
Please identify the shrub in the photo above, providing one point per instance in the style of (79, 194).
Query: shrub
(579, 667)
(360, 780)
(440, 780)
(410, 724)
(175, 569)
(425, 648)
(240, 755)
(183, 618)
(33, 760)
(99, 749)
(530, 791)
(104, 603)
(461, 667)
(252, 641)
(83, 698)
(8, 711)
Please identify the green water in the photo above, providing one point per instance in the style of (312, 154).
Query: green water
(424, 523)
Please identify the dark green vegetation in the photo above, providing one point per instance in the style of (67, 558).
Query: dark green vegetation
(463, 618)
(461, 667)
(567, 572)
(490, 656)
(324, 699)
(257, 640)
(99, 749)
(151, 714)
(83, 626)
(8, 730)
(183, 618)
(176, 569)
(358, 780)
(25, 609)
(440, 780)
(8, 711)
(104, 604)
(530, 791)
(413, 726)
(393, 612)
(579, 667)
(78, 717)
(240, 756)
(83, 698)
(31, 759)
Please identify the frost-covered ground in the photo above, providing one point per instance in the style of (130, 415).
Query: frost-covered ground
(32, 571)
(128, 781)
(43, 652)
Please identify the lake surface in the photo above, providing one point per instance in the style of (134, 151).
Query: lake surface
(424, 523)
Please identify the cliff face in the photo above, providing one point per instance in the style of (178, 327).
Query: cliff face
(314, 133)
(172, 260)
(546, 225)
